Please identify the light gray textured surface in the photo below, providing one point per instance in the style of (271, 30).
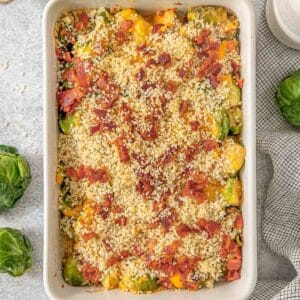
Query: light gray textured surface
(21, 116)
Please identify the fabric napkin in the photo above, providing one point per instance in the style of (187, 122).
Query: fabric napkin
(281, 221)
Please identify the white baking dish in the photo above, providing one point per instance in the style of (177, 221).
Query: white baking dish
(54, 283)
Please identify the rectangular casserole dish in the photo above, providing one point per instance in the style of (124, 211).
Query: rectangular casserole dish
(54, 284)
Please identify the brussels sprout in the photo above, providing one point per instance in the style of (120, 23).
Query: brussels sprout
(232, 191)
(235, 154)
(235, 119)
(111, 281)
(288, 98)
(15, 176)
(71, 273)
(221, 125)
(234, 95)
(106, 17)
(209, 14)
(66, 123)
(15, 252)
(142, 284)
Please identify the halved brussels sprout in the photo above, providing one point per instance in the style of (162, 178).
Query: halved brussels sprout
(66, 124)
(239, 240)
(142, 284)
(235, 115)
(15, 176)
(220, 125)
(71, 273)
(209, 14)
(234, 96)
(111, 281)
(106, 16)
(235, 153)
(232, 191)
(15, 252)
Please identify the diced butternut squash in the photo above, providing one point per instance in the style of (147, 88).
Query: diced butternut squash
(141, 30)
(166, 18)
(176, 281)
(72, 212)
(111, 281)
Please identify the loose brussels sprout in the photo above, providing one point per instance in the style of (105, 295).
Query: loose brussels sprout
(220, 126)
(288, 98)
(15, 176)
(235, 119)
(71, 273)
(142, 284)
(15, 252)
(232, 191)
(235, 154)
(234, 95)
(66, 123)
(111, 281)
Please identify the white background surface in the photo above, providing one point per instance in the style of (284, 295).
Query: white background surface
(21, 114)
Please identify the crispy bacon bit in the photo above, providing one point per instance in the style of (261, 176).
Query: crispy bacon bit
(91, 174)
(144, 186)
(156, 28)
(166, 218)
(108, 245)
(202, 37)
(122, 150)
(63, 55)
(194, 125)
(88, 236)
(126, 25)
(90, 273)
(183, 108)
(142, 47)
(238, 223)
(152, 134)
(151, 62)
(183, 230)
(164, 59)
(122, 221)
(209, 145)
(161, 204)
(229, 248)
(191, 151)
(165, 282)
(237, 73)
(116, 209)
(195, 188)
(147, 85)
(171, 86)
(168, 156)
(81, 73)
(181, 72)
(82, 22)
(117, 258)
(210, 227)
(232, 275)
(171, 249)
(140, 75)
(234, 264)
(137, 251)
(102, 81)
(69, 99)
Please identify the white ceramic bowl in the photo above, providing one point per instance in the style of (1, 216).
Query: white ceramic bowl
(53, 280)
(283, 17)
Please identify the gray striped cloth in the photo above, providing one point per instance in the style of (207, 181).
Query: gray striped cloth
(281, 223)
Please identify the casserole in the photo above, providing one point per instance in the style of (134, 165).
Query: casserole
(53, 278)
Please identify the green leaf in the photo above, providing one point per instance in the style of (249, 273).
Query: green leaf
(15, 252)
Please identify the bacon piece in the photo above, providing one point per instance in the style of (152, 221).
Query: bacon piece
(237, 73)
(183, 108)
(102, 81)
(69, 99)
(81, 74)
(171, 86)
(166, 218)
(168, 156)
(82, 22)
(91, 174)
(234, 264)
(122, 150)
(191, 151)
(232, 275)
(202, 37)
(151, 62)
(63, 55)
(238, 223)
(152, 134)
(183, 230)
(88, 236)
(209, 145)
(144, 185)
(171, 249)
(108, 199)
(117, 258)
(194, 125)
(122, 221)
(156, 28)
(126, 25)
(140, 75)
(164, 59)
(91, 273)
(195, 188)
(147, 85)
(181, 72)
(116, 209)
(210, 227)
(161, 204)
